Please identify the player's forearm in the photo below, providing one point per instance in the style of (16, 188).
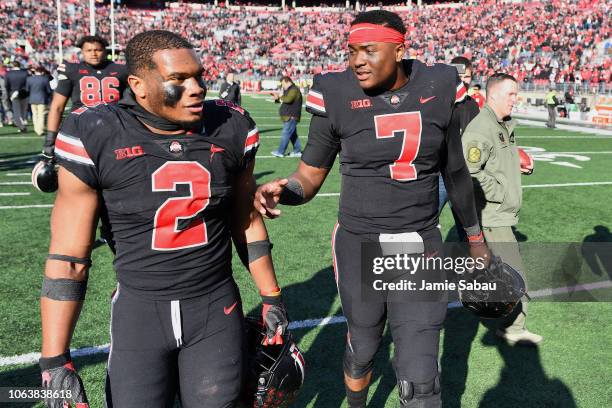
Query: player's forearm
(254, 249)
(63, 281)
(58, 321)
(262, 273)
(460, 190)
(54, 117)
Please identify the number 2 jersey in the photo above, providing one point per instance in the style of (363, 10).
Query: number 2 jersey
(167, 198)
(87, 85)
(392, 146)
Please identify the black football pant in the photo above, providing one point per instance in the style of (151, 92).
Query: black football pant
(415, 326)
(160, 348)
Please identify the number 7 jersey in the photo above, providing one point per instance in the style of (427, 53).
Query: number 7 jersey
(392, 145)
(167, 198)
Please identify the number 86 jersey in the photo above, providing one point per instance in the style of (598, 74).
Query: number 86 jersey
(391, 145)
(90, 86)
(167, 198)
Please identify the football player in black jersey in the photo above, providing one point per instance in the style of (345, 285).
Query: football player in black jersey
(392, 121)
(93, 81)
(174, 175)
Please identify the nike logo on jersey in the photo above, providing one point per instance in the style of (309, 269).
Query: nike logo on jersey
(228, 310)
(214, 149)
(425, 100)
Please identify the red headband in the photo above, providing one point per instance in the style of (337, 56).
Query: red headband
(366, 32)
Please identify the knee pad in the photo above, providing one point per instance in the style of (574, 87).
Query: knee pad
(421, 395)
(352, 367)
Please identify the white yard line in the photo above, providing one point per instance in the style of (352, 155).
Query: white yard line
(13, 159)
(594, 183)
(600, 152)
(19, 137)
(568, 137)
(31, 358)
(13, 194)
(18, 174)
(15, 183)
(21, 207)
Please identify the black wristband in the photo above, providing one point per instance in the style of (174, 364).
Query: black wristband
(47, 363)
(272, 300)
(292, 194)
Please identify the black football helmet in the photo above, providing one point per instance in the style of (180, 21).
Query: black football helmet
(498, 303)
(275, 373)
(44, 176)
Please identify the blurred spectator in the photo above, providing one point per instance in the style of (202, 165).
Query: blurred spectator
(290, 113)
(7, 113)
(16, 79)
(476, 95)
(39, 90)
(551, 105)
(230, 90)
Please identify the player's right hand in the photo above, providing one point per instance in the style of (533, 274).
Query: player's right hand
(267, 197)
(479, 249)
(49, 146)
(59, 377)
(48, 152)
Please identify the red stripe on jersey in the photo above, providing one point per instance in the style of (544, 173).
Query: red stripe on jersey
(251, 140)
(70, 148)
(461, 92)
(315, 100)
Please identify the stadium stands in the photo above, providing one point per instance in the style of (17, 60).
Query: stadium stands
(567, 42)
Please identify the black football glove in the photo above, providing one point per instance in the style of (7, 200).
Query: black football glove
(49, 146)
(60, 377)
(274, 318)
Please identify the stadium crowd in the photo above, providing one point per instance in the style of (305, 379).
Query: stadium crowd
(549, 41)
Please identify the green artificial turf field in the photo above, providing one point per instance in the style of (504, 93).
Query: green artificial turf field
(564, 200)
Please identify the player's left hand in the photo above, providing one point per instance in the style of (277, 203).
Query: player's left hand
(274, 318)
(59, 376)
